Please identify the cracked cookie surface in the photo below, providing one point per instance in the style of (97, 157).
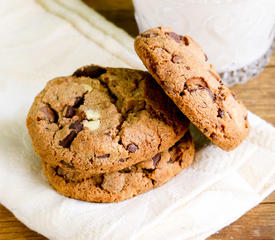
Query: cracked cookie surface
(103, 119)
(181, 68)
(128, 182)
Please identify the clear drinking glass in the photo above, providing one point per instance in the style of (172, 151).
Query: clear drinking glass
(237, 35)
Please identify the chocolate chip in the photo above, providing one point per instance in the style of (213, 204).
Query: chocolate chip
(171, 161)
(214, 97)
(104, 156)
(66, 142)
(69, 112)
(206, 58)
(90, 71)
(122, 159)
(132, 148)
(77, 126)
(212, 135)
(156, 159)
(210, 94)
(182, 94)
(205, 130)
(175, 36)
(78, 101)
(220, 113)
(245, 118)
(176, 59)
(196, 82)
(145, 35)
(187, 67)
(185, 39)
(66, 164)
(60, 172)
(50, 114)
(125, 170)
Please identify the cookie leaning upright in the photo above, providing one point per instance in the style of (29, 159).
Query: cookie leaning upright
(180, 66)
(102, 120)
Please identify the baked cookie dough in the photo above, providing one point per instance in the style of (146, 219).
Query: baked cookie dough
(125, 183)
(103, 120)
(181, 68)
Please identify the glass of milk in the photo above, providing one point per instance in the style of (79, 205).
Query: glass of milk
(236, 35)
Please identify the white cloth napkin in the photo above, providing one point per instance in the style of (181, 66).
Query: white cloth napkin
(43, 39)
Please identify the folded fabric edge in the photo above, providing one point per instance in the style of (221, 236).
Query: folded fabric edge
(92, 34)
(91, 16)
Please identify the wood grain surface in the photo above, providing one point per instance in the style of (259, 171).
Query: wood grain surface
(258, 95)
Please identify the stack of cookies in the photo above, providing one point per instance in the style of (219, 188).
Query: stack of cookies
(109, 134)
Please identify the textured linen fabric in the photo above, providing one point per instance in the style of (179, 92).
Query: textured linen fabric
(47, 38)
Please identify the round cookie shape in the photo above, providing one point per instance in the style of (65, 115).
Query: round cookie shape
(128, 182)
(181, 68)
(103, 119)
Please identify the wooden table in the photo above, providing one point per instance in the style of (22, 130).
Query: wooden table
(258, 95)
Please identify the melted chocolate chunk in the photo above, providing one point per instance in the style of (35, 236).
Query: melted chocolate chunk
(145, 35)
(214, 97)
(182, 94)
(66, 142)
(59, 171)
(212, 135)
(220, 113)
(78, 101)
(125, 170)
(104, 156)
(69, 112)
(171, 161)
(210, 94)
(76, 126)
(50, 114)
(90, 71)
(185, 40)
(132, 148)
(196, 82)
(175, 36)
(68, 165)
(156, 159)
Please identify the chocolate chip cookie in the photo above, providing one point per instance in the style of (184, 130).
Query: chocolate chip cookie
(103, 119)
(181, 68)
(128, 182)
